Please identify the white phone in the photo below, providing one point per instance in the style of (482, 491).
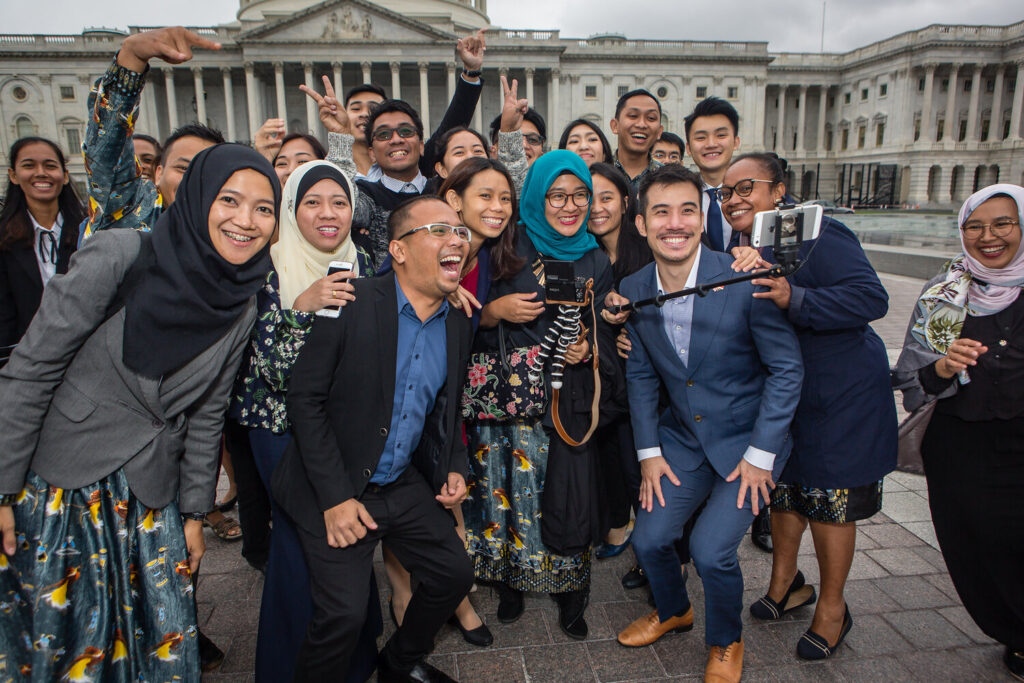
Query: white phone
(786, 227)
(334, 267)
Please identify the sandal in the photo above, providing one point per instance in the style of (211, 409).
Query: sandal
(224, 527)
(797, 595)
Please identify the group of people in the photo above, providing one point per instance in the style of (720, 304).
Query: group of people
(419, 342)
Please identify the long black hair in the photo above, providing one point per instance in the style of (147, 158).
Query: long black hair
(632, 252)
(15, 224)
(605, 146)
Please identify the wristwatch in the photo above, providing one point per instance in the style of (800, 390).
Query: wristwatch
(475, 73)
(9, 499)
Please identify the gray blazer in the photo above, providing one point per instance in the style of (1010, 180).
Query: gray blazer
(73, 413)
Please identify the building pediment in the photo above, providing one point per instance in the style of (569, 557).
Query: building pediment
(335, 21)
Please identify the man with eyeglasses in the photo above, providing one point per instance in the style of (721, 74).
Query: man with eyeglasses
(534, 133)
(377, 455)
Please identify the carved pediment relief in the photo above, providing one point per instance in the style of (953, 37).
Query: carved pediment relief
(344, 20)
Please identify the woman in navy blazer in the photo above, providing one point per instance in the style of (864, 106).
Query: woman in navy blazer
(844, 431)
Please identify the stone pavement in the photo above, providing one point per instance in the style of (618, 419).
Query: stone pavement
(909, 624)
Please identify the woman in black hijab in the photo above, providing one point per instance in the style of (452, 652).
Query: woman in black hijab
(110, 419)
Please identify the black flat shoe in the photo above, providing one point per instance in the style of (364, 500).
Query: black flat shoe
(210, 656)
(813, 646)
(510, 604)
(761, 531)
(795, 597)
(634, 578)
(480, 636)
(1015, 663)
(571, 607)
(421, 673)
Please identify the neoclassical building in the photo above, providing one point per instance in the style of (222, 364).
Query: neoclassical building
(921, 118)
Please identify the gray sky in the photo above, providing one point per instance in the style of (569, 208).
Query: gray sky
(788, 25)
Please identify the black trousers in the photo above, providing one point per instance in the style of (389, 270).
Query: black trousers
(618, 474)
(253, 501)
(422, 536)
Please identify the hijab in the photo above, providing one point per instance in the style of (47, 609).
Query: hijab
(297, 262)
(190, 296)
(545, 238)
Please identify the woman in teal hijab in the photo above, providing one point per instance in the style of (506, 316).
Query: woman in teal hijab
(509, 429)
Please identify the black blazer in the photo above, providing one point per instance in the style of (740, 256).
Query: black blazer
(340, 400)
(21, 286)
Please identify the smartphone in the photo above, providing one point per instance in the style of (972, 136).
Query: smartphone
(787, 227)
(334, 267)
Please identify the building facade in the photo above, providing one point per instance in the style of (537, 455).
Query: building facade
(922, 118)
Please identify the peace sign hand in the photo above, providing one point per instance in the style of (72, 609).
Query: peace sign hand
(514, 109)
(172, 44)
(332, 114)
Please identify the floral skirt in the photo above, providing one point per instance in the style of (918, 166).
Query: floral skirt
(99, 588)
(836, 506)
(507, 466)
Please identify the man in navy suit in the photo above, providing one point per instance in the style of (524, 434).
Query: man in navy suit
(732, 370)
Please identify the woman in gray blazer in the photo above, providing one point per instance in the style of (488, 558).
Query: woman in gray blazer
(110, 420)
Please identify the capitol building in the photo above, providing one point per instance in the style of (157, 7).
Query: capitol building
(921, 118)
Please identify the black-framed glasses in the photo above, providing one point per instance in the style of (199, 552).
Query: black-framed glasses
(743, 188)
(441, 230)
(383, 134)
(534, 139)
(559, 199)
(1001, 227)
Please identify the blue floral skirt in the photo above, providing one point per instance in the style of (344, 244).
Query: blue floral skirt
(99, 588)
(507, 464)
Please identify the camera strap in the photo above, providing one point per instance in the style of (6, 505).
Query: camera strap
(595, 407)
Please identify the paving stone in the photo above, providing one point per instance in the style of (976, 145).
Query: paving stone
(932, 556)
(683, 654)
(923, 530)
(889, 485)
(228, 678)
(763, 648)
(987, 663)
(818, 672)
(900, 561)
(906, 506)
(492, 665)
(240, 654)
(927, 629)
(872, 636)
(944, 584)
(562, 663)
(241, 616)
(864, 597)
(876, 669)
(959, 617)
(530, 629)
(914, 482)
(598, 626)
(445, 663)
(890, 535)
(613, 662)
(940, 666)
(913, 592)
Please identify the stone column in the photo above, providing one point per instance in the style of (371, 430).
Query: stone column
(312, 112)
(151, 124)
(229, 102)
(801, 123)
(995, 121)
(366, 71)
(172, 100)
(424, 95)
(200, 94)
(609, 104)
(822, 105)
(1018, 102)
(918, 185)
(574, 82)
(972, 112)
(926, 111)
(252, 107)
(780, 134)
(396, 81)
(449, 69)
(502, 72)
(760, 103)
(339, 85)
(951, 118)
(530, 71)
(282, 108)
(553, 96)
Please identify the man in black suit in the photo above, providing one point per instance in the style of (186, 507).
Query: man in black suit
(376, 454)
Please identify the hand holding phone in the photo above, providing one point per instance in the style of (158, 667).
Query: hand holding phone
(336, 287)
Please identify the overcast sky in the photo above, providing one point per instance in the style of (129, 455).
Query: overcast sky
(787, 25)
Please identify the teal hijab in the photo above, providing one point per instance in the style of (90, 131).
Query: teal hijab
(545, 238)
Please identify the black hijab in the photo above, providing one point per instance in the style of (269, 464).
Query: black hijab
(189, 296)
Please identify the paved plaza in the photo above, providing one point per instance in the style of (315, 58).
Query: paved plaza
(909, 624)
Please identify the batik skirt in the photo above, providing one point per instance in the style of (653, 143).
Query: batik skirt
(835, 506)
(507, 465)
(99, 588)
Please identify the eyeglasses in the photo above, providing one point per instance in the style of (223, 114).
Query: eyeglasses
(1000, 227)
(743, 188)
(441, 230)
(534, 139)
(558, 199)
(383, 134)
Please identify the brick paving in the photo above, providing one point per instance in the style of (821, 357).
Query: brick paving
(909, 624)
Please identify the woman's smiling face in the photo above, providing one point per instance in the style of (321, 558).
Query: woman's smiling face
(739, 211)
(567, 219)
(989, 249)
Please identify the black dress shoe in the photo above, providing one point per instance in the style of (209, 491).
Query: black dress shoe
(421, 673)
(480, 636)
(571, 607)
(761, 531)
(210, 656)
(769, 610)
(1014, 662)
(813, 646)
(510, 604)
(634, 578)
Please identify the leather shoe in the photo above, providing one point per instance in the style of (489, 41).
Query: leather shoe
(480, 636)
(648, 629)
(634, 578)
(421, 673)
(813, 646)
(1015, 663)
(761, 530)
(725, 664)
(510, 604)
(571, 606)
(797, 595)
(607, 550)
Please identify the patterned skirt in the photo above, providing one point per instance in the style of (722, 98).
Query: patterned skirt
(507, 466)
(99, 588)
(836, 506)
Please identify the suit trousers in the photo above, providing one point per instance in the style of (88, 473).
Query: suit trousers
(422, 536)
(713, 545)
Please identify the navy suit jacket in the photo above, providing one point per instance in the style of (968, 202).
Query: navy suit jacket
(742, 384)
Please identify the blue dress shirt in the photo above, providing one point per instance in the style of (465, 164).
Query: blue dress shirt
(420, 372)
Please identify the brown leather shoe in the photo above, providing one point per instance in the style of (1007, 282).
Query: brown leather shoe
(725, 664)
(646, 630)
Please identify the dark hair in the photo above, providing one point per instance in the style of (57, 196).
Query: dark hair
(318, 148)
(531, 115)
(673, 139)
(388, 106)
(672, 174)
(605, 147)
(710, 106)
(151, 140)
(401, 212)
(620, 105)
(504, 261)
(365, 87)
(632, 252)
(769, 163)
(15, 224)
(190, 130)
(442, 144)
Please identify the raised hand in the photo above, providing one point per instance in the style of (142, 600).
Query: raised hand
(267, 140)
(332, 114)
(514, 109)
(172, 44)
(471, 50)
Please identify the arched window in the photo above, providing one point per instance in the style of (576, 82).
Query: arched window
(23, 127)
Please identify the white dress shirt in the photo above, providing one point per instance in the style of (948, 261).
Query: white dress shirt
(705, 203)
(46, 256)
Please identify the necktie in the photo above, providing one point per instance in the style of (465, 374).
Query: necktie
(714, 221)
(47, 247)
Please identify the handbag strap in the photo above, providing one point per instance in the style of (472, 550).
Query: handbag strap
(595, 406)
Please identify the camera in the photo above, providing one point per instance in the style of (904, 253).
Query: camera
(562, 285)
(787, 227)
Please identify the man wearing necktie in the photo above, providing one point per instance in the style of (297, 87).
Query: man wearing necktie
(712, 137)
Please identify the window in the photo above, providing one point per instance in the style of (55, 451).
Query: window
(1006, 129)
(663, 92)
(732, 92)
(883, 90)
(845, 139)
(990, 85)
(985, 123)
(945, 85)
(67, 93)
(917, 129)
(831, 101)
(590, 92)
(962, 133)
(24, 127)
(862, 133)
(828, 141)
(967, 86)
(846, 98)
(623, 89)
(879, 134)
(939, 129)
(74, 141)
(863, 94)
(702, 92)
(19, 93)
(920, 85)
